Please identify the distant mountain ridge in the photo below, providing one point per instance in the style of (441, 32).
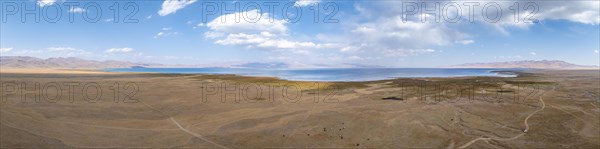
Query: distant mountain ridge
(279, 65)
(263, 65)
(542, 64)
(69, 62)
(77, 63)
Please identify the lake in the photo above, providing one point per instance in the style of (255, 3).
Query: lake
(330, 74)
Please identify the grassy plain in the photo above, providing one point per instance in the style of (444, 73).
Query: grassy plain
(538, 109)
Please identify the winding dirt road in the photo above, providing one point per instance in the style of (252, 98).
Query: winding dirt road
(182, 128)
(195, 134)
(507, 139)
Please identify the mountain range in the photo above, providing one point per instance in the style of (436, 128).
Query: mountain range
(64, 63)
(77, 63)
(542, 64)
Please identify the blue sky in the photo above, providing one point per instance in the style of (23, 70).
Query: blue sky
(383, 33)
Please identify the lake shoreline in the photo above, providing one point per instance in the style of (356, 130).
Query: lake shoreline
(91, 71)
(334, 74)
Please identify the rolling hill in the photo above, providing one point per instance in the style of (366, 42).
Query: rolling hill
(65, 63)
(542, 64)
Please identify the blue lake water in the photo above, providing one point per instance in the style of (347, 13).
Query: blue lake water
(337, 74)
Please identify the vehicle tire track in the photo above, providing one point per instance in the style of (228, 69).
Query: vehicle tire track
(195, 134)
(184, 129)
(87, 125)
(507, 139)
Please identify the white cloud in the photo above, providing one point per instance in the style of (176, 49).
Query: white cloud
(596, 51)
(248, 21)
(354, 57)
(533, 53)
(2, 50)
(278, 57)
(43, 3)
(585, 12)
(213, 35)
(509, 57)
(257, 31)
(374, 40)
(302, 3)
(171, 6)
(163, 34)
(119, 50)
(465, 42)
(48, 52)
(267, 40)
(149, 17)
(65, 51)
(62, 49)
(76, 10)
(199, 25)
(577, 11)
(406, 52)
(387, 32)
(352, 48)
(123, 53)
(377, 36)
(159, 34)
(166, 31)
(391, 33)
